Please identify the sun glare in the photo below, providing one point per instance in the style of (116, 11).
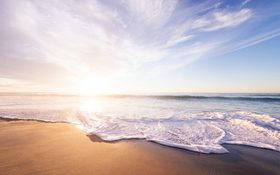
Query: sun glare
(91, 106)
(90, 87)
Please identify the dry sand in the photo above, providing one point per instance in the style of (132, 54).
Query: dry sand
(30, 147)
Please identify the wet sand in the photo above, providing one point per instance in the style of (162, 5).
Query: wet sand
(30, 147)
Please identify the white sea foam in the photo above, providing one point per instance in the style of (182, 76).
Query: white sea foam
(201, 132)
(159, 120)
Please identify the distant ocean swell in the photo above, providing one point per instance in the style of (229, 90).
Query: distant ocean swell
(264, 98)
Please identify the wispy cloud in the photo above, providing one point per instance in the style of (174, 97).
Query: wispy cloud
(222, 19)
(93, 39)
(255, 40)
(245, 2)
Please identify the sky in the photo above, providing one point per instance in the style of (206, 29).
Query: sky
(133, 46)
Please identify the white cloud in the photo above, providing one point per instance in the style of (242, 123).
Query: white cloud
(177, 40)
(245, 2)
(151, 13)
(93, 38)
(255, 40)
(222, 19)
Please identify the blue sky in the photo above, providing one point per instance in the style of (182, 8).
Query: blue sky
(130, 46)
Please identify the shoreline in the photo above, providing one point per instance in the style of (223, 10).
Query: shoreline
(94, 137)
(38, 147)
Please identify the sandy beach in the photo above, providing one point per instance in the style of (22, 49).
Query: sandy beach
(31, 147)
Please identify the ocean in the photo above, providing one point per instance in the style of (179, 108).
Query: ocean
(196, 122)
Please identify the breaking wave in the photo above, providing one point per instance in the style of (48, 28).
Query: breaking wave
(200, 132)
(198, 125)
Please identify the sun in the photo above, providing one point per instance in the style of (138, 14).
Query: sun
(91, 87)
